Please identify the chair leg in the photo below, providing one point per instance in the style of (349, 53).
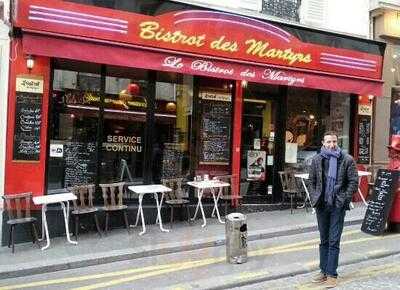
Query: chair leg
(35, 234)
(76, 226)
(12, 238)
(226, 207)
(188, 212)
(96, 222)
(171, 219)
(31, 231)
(291, 204)
(126, 220)
(106, 225)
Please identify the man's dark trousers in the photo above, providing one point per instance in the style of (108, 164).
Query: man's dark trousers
(330, 226)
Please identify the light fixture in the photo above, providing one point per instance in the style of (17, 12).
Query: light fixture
(312, 117)
(392, 69)
(370, 97)
(30, 62)
(395, 55)
(244, 84)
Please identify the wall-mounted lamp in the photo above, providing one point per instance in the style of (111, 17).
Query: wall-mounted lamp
(30, 62)
(244, 84)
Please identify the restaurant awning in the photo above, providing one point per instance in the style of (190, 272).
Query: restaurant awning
(187, 63)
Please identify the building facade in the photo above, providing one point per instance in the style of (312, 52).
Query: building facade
(384, 15)
(144, 91)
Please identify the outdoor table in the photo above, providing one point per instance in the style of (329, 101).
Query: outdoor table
(303, 177)
(361, 174)
(44, 200)
(212, 185)
(154, 189)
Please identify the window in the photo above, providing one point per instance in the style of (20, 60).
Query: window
(74, 118)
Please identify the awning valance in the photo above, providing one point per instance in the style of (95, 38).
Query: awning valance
(151, 58)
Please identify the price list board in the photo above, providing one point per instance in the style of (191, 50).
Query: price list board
(364, 139)
(172, 162)
(28, 119)
(386, 184)
(80, 163)
(215, 129)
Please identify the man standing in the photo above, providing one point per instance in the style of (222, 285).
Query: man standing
(333, 180)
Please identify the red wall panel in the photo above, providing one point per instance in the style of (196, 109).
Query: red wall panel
(23, 176)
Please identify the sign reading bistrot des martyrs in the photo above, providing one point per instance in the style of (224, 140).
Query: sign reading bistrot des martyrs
(386, 184)
(28, 117)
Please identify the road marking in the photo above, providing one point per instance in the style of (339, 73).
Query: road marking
(169, 268)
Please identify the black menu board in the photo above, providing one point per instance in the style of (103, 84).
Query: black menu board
(215, 128)
(364, 139)
(80, 163)
(28, 120)
(379, 206)
(172, 161)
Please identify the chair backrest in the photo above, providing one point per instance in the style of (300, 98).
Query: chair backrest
(288, 181)
(84, 194)
(18, 205)
(176, 185)
(112, 193)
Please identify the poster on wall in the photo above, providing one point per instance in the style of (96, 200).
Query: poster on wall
(256, 165)
(215, 128)
(28, 118)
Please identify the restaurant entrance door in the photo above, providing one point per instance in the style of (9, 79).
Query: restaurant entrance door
(258, 143)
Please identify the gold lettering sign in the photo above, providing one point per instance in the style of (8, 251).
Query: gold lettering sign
(152, 30)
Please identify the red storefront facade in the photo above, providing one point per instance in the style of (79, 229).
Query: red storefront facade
(217, 50)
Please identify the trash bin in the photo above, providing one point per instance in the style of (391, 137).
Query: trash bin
(236, 238)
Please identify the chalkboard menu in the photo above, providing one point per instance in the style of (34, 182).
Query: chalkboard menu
(215, 129)
(80, 163)
(385, 187)
(364, 139)
(28, 120)
(172, 161)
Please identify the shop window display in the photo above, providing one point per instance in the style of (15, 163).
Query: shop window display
(310, 113)
(73, 124)
(173, 122)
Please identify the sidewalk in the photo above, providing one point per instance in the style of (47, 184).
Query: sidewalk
(118, 245)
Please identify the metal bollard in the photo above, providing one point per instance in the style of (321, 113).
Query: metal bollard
(236, 238)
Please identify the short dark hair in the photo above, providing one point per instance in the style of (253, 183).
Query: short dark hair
(330, 132)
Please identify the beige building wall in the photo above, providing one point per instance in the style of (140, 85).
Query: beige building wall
(381, 127)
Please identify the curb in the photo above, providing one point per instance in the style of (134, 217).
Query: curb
(142, 252)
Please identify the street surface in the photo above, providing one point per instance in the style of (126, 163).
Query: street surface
(374, 274)
(294, 257)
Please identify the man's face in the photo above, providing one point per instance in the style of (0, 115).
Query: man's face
(330, 142)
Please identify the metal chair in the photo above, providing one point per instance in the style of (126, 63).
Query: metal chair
(83, 206)
(17, 216)
(227, 196)
(289, 187)
(112, 196)
(175, 197)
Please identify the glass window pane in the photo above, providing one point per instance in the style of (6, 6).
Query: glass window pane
(173, 126)
(73, 124)
(125, 105)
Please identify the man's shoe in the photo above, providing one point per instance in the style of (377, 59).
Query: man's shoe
(331, 282)
(319, 278)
